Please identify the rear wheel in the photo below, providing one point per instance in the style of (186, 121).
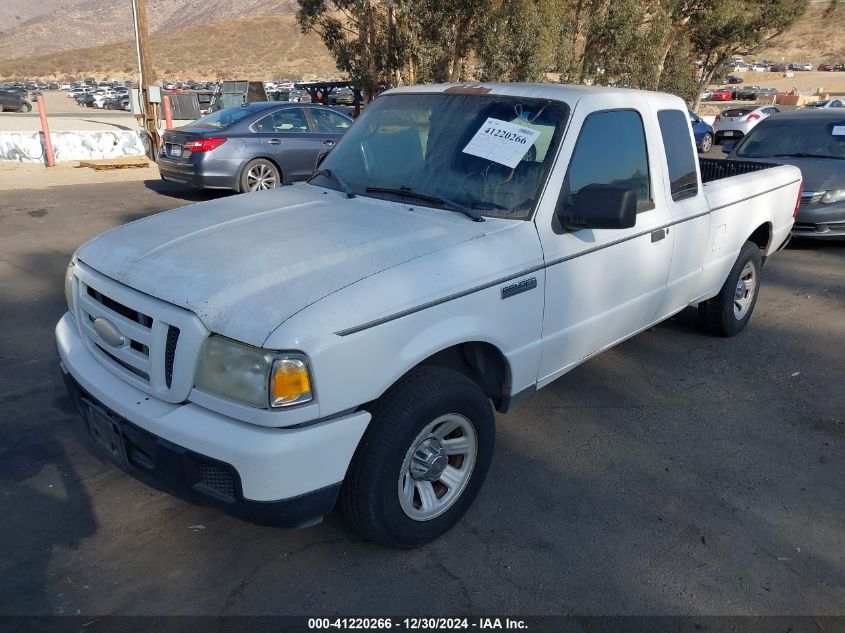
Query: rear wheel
(258, 175)
(422, 460)
(1, 107)
(706, 143)
(729, 311)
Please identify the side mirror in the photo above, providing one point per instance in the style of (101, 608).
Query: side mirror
(727, 147)
(600, 207)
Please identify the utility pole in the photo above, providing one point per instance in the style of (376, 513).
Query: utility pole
(146, 74)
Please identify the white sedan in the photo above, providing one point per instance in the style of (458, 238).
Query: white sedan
(734, 123)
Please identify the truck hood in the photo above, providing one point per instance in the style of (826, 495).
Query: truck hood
(245, 264)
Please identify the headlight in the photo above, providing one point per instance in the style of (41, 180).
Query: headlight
(833, 195)
(69, 288)
(253, 376)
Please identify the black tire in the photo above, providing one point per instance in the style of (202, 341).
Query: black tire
(1, 107)
(245, 183)
(720, 314)
(370, 493)
(706, 143)
(25, 108)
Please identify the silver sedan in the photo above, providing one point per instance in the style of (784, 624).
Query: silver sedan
(734, 123)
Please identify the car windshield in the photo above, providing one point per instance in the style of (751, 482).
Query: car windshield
(737, 112)
(222, 118)
(487, 153)
(820, 139)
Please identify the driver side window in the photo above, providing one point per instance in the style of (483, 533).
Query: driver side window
(610, 151)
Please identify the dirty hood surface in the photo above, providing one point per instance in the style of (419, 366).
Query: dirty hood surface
(245, 264)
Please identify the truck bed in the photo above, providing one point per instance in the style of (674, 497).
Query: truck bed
(716, 169)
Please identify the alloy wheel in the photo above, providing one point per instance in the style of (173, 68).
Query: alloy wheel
(261, 177)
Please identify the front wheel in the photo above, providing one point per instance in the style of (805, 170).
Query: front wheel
(422, 460)
(706, 143)
(729, 311)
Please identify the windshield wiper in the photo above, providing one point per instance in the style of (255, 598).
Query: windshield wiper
(799, 155)
(410, 192)
(328, 173)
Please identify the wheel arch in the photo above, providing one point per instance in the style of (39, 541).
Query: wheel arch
(480, 361)
(762, 238)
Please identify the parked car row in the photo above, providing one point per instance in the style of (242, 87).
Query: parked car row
(739, 65)
(107, 98)
(29, 85)
(736, 93)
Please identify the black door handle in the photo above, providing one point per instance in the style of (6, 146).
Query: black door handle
(658, 235)
(328, 143)
(275, 141)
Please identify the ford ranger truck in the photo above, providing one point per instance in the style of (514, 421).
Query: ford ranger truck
(346, 341)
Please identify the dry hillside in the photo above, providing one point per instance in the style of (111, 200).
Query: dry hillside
(816, 38)
(209, 39)
(86, 23)
(250, 48)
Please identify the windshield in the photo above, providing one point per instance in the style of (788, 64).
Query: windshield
(222, 118)
(822, 139)
(488, 153)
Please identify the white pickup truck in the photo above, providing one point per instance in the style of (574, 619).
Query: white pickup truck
(346, 340)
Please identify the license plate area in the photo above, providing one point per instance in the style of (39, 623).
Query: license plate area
(106, 432)
(174, 151)
(729, 133)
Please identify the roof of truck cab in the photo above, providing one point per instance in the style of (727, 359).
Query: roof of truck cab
(561, 92)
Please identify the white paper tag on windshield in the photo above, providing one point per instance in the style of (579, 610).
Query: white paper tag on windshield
(838, 130)
(502, 142)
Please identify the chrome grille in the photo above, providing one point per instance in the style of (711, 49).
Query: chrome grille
(135, 326)
(159, 343)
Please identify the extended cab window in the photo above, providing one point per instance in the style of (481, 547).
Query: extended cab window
(680, 154)
(611, 150)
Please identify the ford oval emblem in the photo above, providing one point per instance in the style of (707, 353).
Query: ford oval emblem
(108, 332)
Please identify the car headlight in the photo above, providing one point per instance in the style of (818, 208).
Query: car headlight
(69, 287)
(253, 376)
(833, 195)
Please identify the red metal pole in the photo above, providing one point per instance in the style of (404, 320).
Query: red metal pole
(168, 114)
(48, 143)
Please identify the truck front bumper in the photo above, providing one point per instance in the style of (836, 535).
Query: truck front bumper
(282, 477)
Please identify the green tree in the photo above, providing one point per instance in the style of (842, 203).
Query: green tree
(734, 26)
(506, 42)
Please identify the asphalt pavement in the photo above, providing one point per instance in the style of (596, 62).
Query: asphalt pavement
(679, 473)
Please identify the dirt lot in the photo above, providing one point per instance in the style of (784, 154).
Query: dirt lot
(679, 473)
(64, 115)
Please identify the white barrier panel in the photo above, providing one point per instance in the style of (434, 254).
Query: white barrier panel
(28, 147)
